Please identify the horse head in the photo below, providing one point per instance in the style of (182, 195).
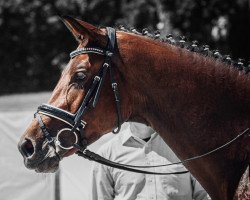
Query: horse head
(59, 125)
(195, 101)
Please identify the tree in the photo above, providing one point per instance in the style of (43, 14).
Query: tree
(34, 44)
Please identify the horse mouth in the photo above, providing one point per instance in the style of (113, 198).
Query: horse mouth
(46, 164)
(41, 157)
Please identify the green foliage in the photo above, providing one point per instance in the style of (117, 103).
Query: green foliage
(34, 44)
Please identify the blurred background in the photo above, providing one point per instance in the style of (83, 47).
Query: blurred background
(35, 46)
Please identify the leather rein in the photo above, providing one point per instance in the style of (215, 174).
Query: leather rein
(77, 124)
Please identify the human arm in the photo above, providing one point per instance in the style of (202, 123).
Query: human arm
(199, 192)
(102, 183)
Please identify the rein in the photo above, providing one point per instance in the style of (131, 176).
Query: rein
(85, 153)
(77, 124)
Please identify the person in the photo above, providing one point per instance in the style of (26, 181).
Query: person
(139, 144)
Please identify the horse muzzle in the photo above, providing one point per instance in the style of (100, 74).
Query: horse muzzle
(39, 155)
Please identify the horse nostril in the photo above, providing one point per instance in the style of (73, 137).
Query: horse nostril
(27, 148)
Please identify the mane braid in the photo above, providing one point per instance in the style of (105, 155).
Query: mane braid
(193, 46)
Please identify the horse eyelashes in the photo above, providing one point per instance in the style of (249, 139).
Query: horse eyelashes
(80, 76)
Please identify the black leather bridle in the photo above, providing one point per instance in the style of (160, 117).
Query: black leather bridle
(75, 120)
(77, 124)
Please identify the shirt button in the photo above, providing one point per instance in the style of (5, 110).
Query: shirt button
(150, 180)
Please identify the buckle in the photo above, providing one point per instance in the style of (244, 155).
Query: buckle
(109, 53)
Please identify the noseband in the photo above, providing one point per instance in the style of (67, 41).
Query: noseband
(74, 121)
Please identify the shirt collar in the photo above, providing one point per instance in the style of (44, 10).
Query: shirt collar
(128, 134)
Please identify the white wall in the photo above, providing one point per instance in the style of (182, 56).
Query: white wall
(75, 174)
(19, 183)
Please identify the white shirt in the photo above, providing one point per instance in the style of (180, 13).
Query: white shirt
(109, 183)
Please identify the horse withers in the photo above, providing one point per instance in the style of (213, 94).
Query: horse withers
(194, 101)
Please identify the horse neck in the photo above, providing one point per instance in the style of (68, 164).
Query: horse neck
(164, 78)
(187, 98)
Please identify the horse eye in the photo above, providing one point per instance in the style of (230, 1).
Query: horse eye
(80, 76)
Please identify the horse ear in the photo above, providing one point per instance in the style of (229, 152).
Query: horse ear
(83, 31)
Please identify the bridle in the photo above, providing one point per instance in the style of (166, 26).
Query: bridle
(75, 120)
(77, 124)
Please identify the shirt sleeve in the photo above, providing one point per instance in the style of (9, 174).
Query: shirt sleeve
(199, 192)
(102, 183)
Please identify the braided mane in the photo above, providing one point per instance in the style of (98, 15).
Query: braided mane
(192, 46)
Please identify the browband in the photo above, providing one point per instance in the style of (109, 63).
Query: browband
(86, 50)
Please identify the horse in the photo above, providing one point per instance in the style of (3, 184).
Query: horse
(196, 102)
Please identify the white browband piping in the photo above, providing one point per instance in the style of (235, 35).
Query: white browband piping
(83, 123)
(87, 50)
(45, 104)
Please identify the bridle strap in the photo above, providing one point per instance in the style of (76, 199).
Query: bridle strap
(43, 127)
(97, 158)
(56, 113)
(100, 79)
(83, 108)
(85, 153)
(97, 95)
(117, 103)
(87, 50)
(111, 46)
(112, 39)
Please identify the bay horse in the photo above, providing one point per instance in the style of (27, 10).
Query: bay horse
(194, 101)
